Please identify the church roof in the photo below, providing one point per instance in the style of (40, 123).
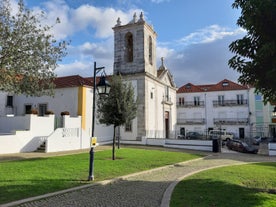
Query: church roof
(163, 71)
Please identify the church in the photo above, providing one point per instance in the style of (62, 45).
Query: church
(155, 90)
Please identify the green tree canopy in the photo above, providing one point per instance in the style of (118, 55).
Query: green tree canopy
(255, 53)
(28, 52)
(119, 107)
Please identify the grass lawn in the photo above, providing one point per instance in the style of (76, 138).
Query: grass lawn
(251, 185)
(32, 177)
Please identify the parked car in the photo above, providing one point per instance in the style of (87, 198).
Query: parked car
(240, 146)
(222, 134)
(258, 140)
(180, 136)
(194, 135)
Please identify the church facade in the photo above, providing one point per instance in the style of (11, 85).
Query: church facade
(135, 60)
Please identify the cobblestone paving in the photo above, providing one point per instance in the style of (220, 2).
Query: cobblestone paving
(142, 189)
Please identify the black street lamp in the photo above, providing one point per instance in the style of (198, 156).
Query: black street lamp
(103, 88)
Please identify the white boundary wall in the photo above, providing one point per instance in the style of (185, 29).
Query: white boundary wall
(71, 137)
(272, 149)
(9, 125)
(203, 145)
(24, 134)
(27, 133)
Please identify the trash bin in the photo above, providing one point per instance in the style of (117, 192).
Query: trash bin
(215, 145)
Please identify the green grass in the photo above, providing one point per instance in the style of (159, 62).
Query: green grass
(32, 177)
(251, 185)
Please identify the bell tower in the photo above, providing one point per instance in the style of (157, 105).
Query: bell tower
(134, 47)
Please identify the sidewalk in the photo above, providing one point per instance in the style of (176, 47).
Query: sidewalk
(152, 188)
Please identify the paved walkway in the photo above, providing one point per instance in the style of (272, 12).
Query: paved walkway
(147, 189)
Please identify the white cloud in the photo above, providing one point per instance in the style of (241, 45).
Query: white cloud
(74, 68)
(208, 34)
(83, 18)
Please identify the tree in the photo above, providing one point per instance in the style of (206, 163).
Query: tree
(255, 55)
(118, 108)
(28, 52)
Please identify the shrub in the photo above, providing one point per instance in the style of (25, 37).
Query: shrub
(34, 111)
(64, 113)
(49, 112)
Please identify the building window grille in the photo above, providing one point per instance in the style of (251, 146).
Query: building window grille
(196, 101)
(221, 100)
(240, 99)
(42, 108)
(9, 101)
(181, 101)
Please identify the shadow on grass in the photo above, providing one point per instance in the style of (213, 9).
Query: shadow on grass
(206, 192)
(12, 192)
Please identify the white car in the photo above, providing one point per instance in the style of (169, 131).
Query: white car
(222, 134)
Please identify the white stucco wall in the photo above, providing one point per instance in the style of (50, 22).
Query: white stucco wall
(65, 99)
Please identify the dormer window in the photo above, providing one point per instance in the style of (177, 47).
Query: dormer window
(225, 84)
(188, 86)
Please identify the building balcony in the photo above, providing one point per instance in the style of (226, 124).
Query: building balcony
(191, 104)
(191, 121)
(231, 121)
(230, 103)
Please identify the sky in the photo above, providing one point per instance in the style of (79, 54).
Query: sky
(192, 35)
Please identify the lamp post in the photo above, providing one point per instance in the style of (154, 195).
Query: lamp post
(103, 88)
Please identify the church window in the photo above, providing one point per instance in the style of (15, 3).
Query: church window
(128, 126)
(150, 50)
(129, 47)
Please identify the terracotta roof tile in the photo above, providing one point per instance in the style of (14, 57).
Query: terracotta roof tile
(224, 85)
(71, 81)
(75, 81)
(189, 88)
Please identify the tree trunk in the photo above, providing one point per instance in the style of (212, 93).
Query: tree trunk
(118, 143)
(113, 145)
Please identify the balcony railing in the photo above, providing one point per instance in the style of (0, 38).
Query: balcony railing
(231, 121)
(190, 121)
(190, 104)
(230, 103)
